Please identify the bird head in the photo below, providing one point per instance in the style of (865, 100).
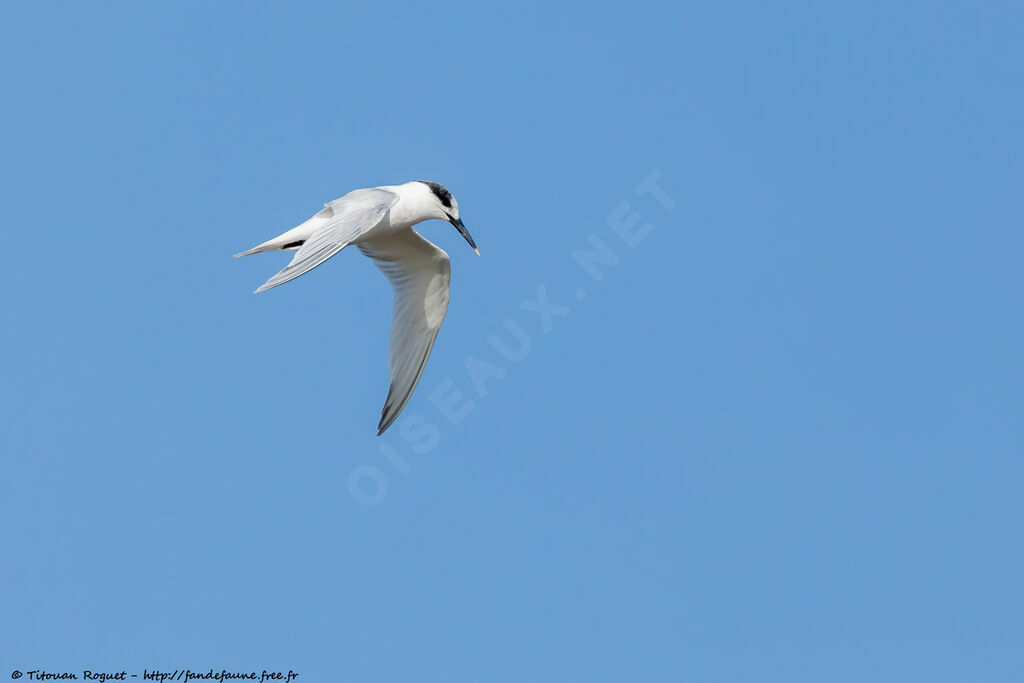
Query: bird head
(448, 209)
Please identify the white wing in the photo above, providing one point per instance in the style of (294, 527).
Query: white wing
(419, 273)
(353, 215)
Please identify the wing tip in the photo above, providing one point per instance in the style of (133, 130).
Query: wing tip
(387, 415)
(275, 281)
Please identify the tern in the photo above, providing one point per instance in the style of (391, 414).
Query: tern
(379, 220)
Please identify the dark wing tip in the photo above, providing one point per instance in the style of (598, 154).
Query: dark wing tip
(387, 414)
(393, 407)
(386, 420)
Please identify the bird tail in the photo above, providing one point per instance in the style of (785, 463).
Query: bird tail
(269, 245)
(293, 239)
(254, 250)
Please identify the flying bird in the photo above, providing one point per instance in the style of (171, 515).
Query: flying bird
(379, 221)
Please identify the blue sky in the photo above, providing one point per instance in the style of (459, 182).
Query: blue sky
(779, 440)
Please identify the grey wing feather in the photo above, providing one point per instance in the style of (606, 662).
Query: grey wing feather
(354, 214)
(420, 274)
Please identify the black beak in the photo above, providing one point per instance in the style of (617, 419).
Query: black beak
(457, 222)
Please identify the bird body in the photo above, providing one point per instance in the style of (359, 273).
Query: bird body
(379, 222)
